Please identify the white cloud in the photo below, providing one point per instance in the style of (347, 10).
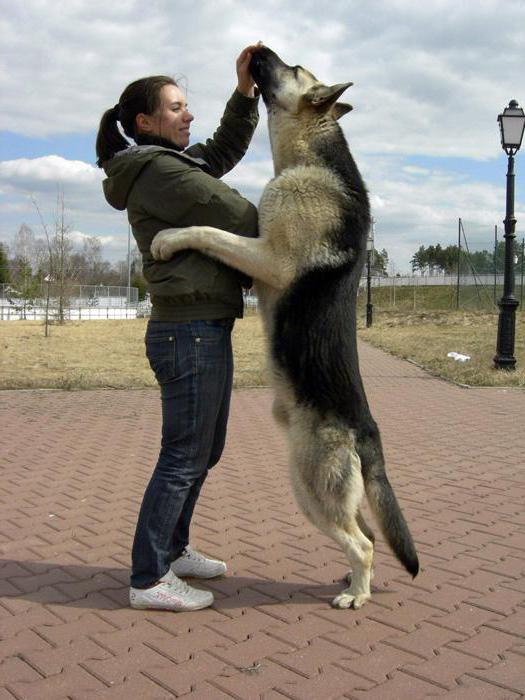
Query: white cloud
(412, 206)
(28, 183)
(413, 209)
(31, 187)
(39, 173)
(430, 79)
(250, 177)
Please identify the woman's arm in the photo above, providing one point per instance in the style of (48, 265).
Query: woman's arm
(232, 138)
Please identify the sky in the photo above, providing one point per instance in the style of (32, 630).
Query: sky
(429, 82)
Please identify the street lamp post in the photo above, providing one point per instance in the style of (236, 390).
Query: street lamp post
(511, 123)
(369, 255)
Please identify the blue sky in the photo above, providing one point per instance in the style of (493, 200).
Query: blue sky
(73, 146)
(81, 147)
(429, 82)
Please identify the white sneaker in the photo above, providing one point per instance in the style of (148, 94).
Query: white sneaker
(170, 594)
(192, 563)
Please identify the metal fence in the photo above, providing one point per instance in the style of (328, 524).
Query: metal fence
(106, 296)
(38, 313)
(479, 292)
(90, 302)
(76, 302)
(481, 263)
(79, 295)
(87, 303)
(250, 300)
(432, 280)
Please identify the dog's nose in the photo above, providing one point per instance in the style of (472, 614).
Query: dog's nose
(255, 59)
(255, 66)
(260, 55)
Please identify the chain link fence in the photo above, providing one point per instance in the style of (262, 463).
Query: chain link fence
(482, 263)
(474, 278)
(435, 292)
(68, 303)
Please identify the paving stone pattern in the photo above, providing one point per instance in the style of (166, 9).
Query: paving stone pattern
(74, 467)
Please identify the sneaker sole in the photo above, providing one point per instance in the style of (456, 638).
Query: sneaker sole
(138, 606)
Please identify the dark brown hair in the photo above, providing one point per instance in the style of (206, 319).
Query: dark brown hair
(140, 97)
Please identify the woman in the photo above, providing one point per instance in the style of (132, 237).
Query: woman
(195, 300)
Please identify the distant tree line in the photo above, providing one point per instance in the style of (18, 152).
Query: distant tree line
(435, 259)
(379, 263)
(28, 261)
(30, 264)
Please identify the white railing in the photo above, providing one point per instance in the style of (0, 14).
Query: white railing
(486, 280)
(38, 313)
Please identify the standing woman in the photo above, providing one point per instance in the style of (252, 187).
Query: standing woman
(195, 299)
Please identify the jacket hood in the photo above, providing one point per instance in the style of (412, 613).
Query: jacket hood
(124, 168)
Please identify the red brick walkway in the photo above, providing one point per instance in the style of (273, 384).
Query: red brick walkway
(74, 469)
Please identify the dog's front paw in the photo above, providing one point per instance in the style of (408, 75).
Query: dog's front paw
(165, 244)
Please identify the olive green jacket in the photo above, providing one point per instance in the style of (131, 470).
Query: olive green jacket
(162, 188)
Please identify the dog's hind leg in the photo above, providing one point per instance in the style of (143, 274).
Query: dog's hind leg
(282, 401)
(358, 548)
(325, 471)
(280, 412)
(360, 552)
(369, 534)
(367, 531)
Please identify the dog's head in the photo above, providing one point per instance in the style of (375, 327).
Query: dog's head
(293, 89)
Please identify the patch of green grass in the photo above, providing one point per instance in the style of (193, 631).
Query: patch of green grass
(392, 296)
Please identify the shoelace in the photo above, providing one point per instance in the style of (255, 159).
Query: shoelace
(190, 553)
(179, 586)
(196, 556)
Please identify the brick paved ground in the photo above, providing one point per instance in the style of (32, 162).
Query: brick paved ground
(74, 469)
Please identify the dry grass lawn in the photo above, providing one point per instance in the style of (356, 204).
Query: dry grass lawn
(88, 354)
(427, 337)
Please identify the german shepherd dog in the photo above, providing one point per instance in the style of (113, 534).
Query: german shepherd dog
(314, 219)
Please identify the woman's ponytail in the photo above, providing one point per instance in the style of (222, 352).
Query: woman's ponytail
(109, 138)
(141, 96)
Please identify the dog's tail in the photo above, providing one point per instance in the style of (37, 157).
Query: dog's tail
(390, 519)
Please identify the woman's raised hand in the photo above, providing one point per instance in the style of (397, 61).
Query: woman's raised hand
(245, 82)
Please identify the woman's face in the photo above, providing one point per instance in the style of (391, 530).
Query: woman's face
(172, 119)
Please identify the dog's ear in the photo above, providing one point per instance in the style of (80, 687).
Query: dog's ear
(325, 95)
(340, 109)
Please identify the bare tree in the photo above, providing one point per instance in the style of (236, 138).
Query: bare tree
(62, 247)
(23, 242)
(5, 275)
(47, 263)
(59, 259)
(92, 249)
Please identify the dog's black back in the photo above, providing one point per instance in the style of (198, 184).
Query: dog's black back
(314, 338)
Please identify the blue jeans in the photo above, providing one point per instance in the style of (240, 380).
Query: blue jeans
(193, 365)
